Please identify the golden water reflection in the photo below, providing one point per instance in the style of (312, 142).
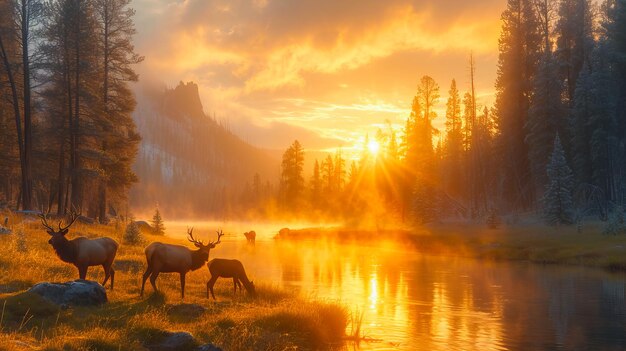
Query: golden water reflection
(416, 302)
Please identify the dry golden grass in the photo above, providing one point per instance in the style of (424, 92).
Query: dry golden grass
(275, 320)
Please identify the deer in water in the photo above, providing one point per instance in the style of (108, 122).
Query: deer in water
(250, 236)
(219, 267)
(168, 258)
(82, 252)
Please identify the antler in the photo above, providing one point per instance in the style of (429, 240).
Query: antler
(220, 234)
(192, 239)
(44, 220)
(73, 217)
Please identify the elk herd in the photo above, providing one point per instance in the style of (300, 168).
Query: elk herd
(160, 257)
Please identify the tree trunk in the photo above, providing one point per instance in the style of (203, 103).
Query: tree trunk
(18, 119)
(28, 134)
(77, 191)
(60, 184)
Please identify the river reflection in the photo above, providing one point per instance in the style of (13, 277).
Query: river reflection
(414, 301)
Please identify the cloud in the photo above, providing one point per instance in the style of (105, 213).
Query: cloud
(272, 43)
(350, 64)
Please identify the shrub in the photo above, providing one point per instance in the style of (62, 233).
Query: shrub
(132, 235)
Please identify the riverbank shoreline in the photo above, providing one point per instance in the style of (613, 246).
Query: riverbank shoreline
(540, 244)
(275, 319)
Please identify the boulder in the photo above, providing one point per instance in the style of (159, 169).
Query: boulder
(283, 233)
(172, 341)
(74, 293)
(144, 227)
(208, 347)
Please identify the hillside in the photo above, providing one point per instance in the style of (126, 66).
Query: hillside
(187, 162)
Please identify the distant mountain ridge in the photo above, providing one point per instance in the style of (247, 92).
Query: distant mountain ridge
(187, 162)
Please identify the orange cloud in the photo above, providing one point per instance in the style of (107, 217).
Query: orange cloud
(254, 58)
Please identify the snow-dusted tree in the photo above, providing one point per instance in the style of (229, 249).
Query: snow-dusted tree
(580, 134)
(616, 224)
(557, 200)
(158, 228)
(574, 41)
(546, 117)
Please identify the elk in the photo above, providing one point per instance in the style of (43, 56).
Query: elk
(82, 252)
(250, 236)
(168, 258)
(219, 267)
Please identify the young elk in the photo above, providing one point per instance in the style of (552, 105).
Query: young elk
(219, 267)
(168, 258)
(250, 236)
(82, 252)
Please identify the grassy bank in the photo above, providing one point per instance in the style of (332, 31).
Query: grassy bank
(275, 320)
(534, 243)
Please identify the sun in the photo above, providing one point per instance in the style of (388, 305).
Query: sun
(374, 147)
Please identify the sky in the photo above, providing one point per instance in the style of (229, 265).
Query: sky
(325, 72)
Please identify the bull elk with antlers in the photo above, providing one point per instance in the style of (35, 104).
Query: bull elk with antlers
(82, 252)
(168, 258)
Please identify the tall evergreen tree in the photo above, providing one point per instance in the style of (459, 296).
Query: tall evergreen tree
(557, 200)
(574, 41)
(158, 227)
(615, 29)
(421, 143)
(546, 118)
(316, 186)
(292, 180)
(520, 47)
(580, 133)
(454, 142)
(120, 140)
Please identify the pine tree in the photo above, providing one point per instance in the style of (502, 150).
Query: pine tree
(420, 141)
(602, 123)
(454, 142)
(316, 186)
(574, 43)
(546, 118)
(158, 227)
(614, 27)
(520, 49)
(580, 134)
(557, 200)
(132, 234)
(328, 179)
(120, 140)
(292, 181)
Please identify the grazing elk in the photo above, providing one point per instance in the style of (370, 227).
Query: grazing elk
(219, 267)
(168, 258)
(250, 236)
(82, 252)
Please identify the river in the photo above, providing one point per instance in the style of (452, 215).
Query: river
(413, 301)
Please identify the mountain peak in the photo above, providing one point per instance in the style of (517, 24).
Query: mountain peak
(184, 100)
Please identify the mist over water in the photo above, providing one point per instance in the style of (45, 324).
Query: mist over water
(412, 301)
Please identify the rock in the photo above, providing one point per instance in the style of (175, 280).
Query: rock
(283, 233)
(208, 347)
(144, 227)
(74, 293)
(188, 310)
(172, 341)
